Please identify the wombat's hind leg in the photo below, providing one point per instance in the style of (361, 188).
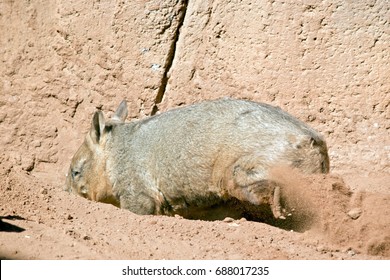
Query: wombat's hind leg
(250, 184)
(260, 196)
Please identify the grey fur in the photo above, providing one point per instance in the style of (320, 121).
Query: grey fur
(194, 158)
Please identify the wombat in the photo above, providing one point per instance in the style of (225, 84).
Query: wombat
(191, 160)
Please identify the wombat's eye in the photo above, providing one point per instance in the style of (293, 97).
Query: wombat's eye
(75, 173)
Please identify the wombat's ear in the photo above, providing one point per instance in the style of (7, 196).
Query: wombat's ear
(97, 128)
(121, 113)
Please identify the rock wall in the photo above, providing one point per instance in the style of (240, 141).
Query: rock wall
(326, 62)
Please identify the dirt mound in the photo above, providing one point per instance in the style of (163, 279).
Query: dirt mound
(326, 206)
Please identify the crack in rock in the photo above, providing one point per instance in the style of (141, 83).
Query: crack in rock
(170, 57)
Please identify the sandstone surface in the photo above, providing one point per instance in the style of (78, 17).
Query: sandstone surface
(326, 62)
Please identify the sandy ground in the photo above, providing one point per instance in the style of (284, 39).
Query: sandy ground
(334, 218)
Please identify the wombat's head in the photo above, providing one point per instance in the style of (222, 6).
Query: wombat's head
(87, 174)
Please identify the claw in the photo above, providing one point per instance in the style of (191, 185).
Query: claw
(276, 206)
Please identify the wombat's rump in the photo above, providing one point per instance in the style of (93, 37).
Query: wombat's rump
(192, 160)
